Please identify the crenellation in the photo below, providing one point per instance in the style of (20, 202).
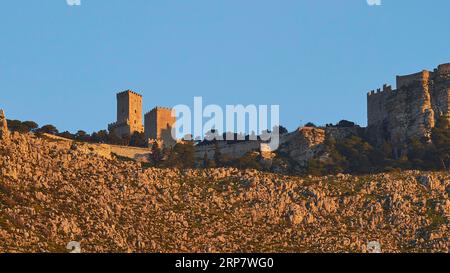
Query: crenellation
(126, 92)
(129, 114)
(411, 110)
(159, 123)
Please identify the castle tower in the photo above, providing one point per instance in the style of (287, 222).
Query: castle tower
(129, 114)
(159, 123)
(412, 109)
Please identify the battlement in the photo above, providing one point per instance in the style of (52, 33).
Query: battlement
(386, 89)
(443, 69)
(159, 108)
(412, 79)
(129, 114)
(158, 124)
(411, 110)
(126, 92)
(117, 124)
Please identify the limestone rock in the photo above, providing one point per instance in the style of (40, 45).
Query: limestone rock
(303, 144)
(51, 194)
(4, 132)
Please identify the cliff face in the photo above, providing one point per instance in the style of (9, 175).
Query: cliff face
(51, 195)
(410, 111)
(302, 144)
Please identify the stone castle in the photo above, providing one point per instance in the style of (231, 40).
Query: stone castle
(411, 110)
(394, 115)
(158, 122)
(129, 114)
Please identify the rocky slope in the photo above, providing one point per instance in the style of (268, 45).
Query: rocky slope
(51, 195)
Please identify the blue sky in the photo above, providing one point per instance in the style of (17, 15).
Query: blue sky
(315, 58)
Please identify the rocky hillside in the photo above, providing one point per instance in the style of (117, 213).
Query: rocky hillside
(51, 195)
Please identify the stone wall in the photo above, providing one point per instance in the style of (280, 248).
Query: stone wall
(234, 150)
(339, 133)
(300, 146)
(412, 109)
(105, 150)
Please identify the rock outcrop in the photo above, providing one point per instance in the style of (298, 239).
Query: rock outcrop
(4, 132)
(51, 195)
(302, 144)
(412, 109)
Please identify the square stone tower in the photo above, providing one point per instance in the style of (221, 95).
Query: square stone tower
(129, 114)
(159, 123)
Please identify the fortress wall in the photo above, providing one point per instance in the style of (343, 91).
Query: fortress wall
(233, 150)
(140, 154)
(376, 105)
(104, 150)
(412, 79)
(444, 69)
(410, 111)
(150, 125)
(158, 125)
(440, 95)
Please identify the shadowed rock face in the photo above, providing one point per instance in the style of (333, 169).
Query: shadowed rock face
(51, 195)
(412, 109)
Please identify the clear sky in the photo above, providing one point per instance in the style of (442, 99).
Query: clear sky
(315, 58)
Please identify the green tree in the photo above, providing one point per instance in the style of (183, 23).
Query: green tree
(441, 141)
(22, 127)
(138, 140)
(248, 161)
(48, 129)
(82, 136)
(100, 136)
(156, 154)
(310, 124)
(182, 156)
(66, 134)
(30, 125)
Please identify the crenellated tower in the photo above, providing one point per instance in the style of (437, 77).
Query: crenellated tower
(411, 110)
(129, 114)
(159, 123)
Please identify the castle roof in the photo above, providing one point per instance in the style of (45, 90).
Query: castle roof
(159, 108)
(128, 92)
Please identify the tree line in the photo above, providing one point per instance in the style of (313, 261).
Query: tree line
(102, 136)
(354, 154)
